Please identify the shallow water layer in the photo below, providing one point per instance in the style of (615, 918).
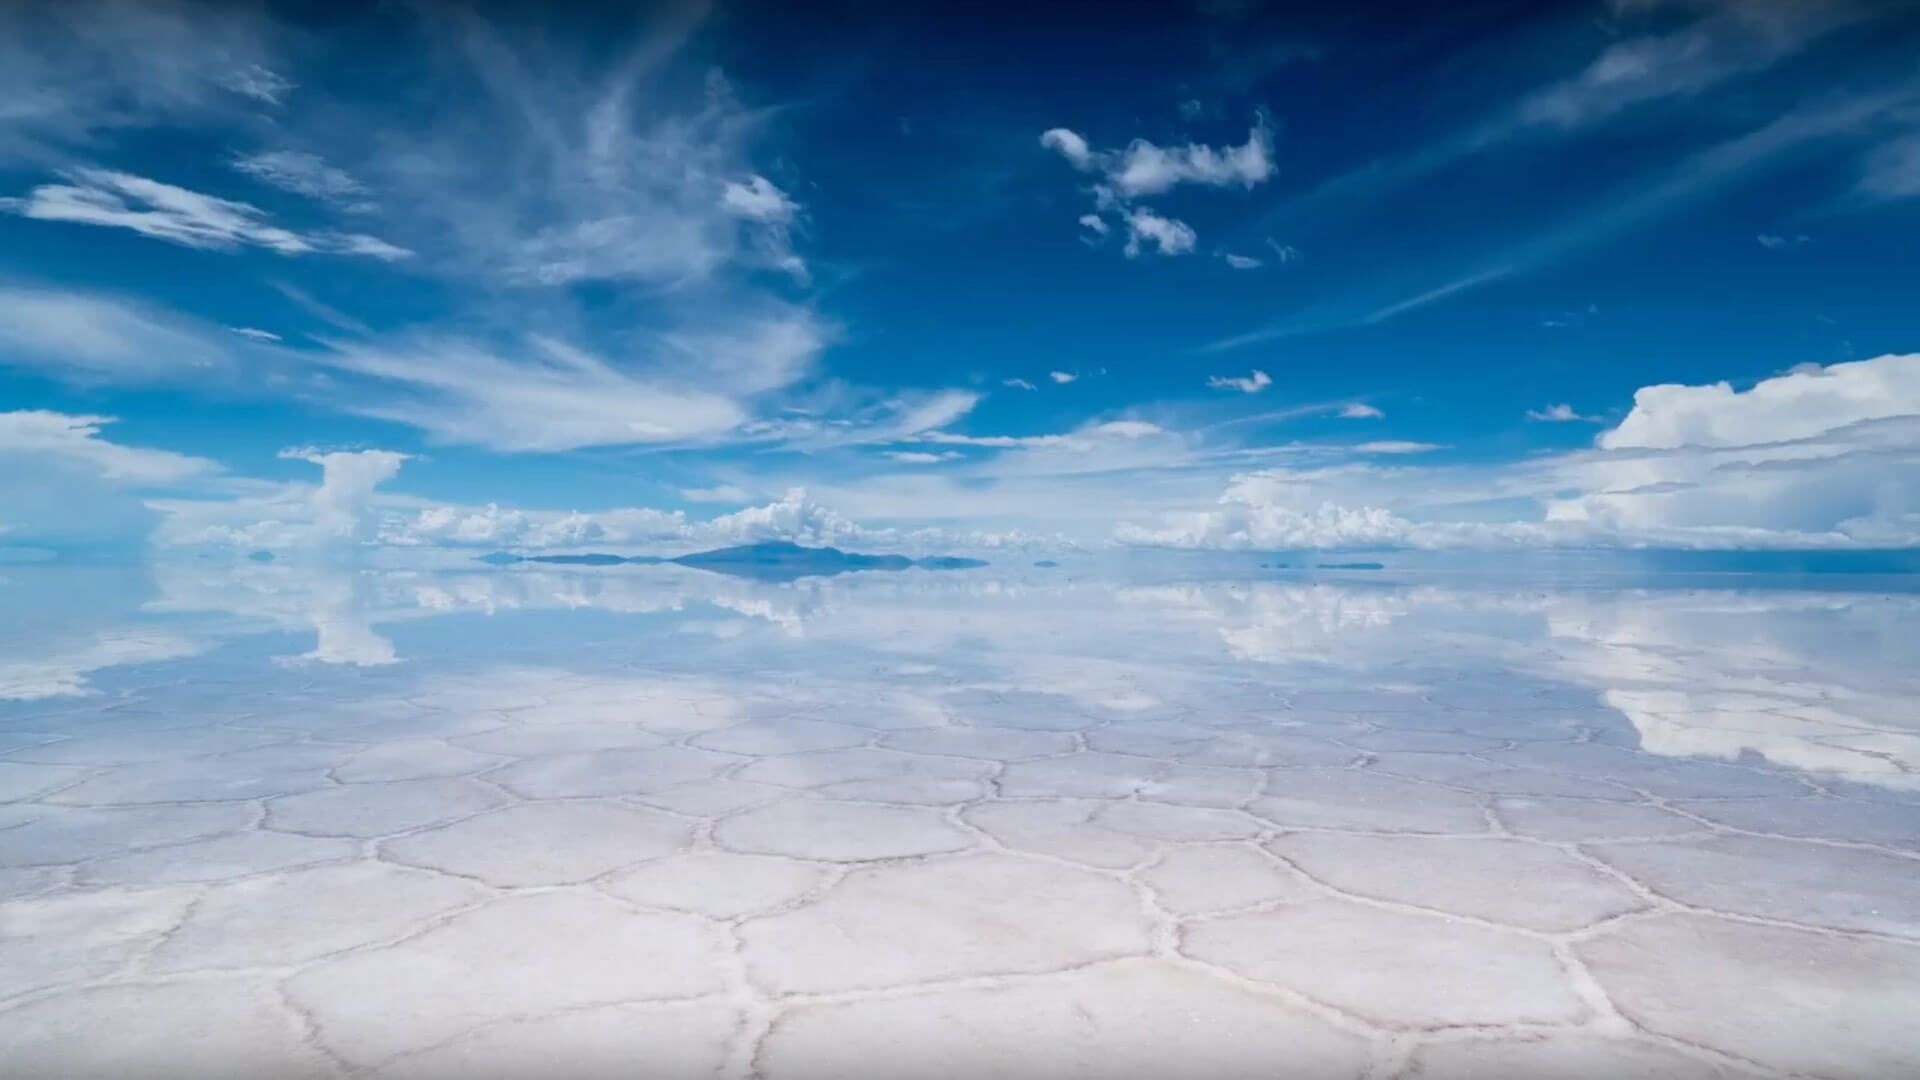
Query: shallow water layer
(656, 822)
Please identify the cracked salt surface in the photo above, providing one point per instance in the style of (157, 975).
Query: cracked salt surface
(958, 826)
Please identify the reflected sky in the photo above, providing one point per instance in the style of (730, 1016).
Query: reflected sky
(278, 820)
(1802, 676)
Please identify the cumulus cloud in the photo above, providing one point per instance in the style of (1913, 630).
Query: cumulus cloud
(1062, 377)
(1143, 169)
(1248, 384)
(1803, 403)
(112, 199)
(1820, 457)
(1168, 236)
(336, 512)
(1242, 262)
(1360, 410)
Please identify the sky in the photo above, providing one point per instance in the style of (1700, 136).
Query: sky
(402, 278)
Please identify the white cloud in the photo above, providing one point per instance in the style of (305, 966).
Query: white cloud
(758, 200)
(921, 457)
(1249, 384)
(547, 395)
(1360, 410)
(1727, 39)
(1018, 384)
(1070, 145)
(1801, 404)
(111, 199)
(303, 174)
(258, 83)
(1145, 169)
(617, 172)
(338, 511)
(1821, 457)
(255, 333)
(1781, 243)
(1086, 438)
(1062, 377)
(1242, 262)
(75, 71)
(1169, 236)
(85, 338)
(34, 434)
(1559, 414)
(1396, 446)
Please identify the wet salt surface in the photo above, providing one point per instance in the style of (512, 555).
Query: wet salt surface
(650, 822)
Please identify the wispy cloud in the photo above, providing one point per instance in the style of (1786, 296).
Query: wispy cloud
(1396, 446)
(1559, 414)
(1246, 384)
(303, 174)
(1062, 377)
(1693, 177)
(1360, 410)
(1168, 236)
(162, 211)
(42, 434)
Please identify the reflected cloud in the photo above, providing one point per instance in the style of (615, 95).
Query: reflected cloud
(1811, 680)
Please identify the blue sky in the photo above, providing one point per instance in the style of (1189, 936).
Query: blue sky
(1223, 276)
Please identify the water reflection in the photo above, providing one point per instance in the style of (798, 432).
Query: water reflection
(1821, 681)
(281, 820)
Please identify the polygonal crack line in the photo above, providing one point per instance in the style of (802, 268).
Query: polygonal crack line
(665, 1004)
(1667, 905)
(1548, 937)
(386, 837)
(1413, 1043)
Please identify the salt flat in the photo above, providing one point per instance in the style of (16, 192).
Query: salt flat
(650, 822)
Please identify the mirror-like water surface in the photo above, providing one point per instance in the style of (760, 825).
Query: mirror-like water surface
(653, 821)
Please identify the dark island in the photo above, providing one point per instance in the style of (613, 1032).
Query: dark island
(773, 561)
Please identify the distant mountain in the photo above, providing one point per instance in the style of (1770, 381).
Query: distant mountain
(772, 561)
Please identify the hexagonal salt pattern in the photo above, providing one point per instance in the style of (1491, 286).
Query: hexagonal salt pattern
(1077, 845)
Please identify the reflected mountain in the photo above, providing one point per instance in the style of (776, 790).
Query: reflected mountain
(778, 561)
